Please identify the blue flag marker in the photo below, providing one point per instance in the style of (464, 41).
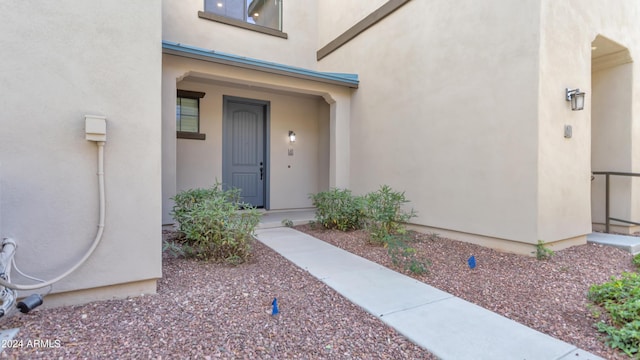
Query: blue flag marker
(275, 310)
(472, 262)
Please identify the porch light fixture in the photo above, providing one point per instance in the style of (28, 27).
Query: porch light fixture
(292, 136)
(576, 97)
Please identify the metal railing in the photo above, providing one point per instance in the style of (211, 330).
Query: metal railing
(608, 218)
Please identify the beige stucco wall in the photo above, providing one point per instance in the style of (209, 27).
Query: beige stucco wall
(293, 178)
(337, 16)
(610, 117)
(447, 111)
(612, 140)
(469, 119)
(61, 61)
(564, 164)
(182, 24)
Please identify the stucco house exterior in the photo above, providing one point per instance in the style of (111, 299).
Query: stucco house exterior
(61, 61)
(462, 105)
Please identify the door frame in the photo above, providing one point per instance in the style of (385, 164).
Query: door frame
(266, 106)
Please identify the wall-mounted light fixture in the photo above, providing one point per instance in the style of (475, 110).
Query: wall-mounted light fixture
(292, 136)
(576, 97)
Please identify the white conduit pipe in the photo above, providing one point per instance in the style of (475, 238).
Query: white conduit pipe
(7, 255)
(96, 241)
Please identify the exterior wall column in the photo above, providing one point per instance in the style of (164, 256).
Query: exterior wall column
(169, 142)
(612, 143)
(339, 143)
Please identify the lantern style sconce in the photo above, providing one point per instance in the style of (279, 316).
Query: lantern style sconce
(292, 136)
(576, 97)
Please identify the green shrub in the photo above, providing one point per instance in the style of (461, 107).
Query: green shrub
(617, 289)
(172, 248)
(625, 338)
(186, 200)
(380, 213)
(636, 261)
(405, 256)
(214, 225)
(543, 252)
(384, 214)
(338, 209)
(620, 297)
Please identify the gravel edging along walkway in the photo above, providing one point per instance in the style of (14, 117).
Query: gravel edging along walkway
(211, 311)
(207, 310)
(546, 295)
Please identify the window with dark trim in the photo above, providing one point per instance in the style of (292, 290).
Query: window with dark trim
(258, 15)
(188, 115)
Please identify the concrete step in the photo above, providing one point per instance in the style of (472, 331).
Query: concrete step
(273, 219)
(624, 242)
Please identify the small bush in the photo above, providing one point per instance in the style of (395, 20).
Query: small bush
(625, 338)
(186, 201)
(621, 300)
(172, 248)
(338, 209)
(616, 290)
(214, 225)
(636, 261)
(384, 214)
(543, 252)
(405, 256)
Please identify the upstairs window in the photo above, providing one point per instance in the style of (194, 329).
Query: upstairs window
(267, 13)
(188, 115)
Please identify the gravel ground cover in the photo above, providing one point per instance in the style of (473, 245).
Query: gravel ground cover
(546, 295)
(209, 311)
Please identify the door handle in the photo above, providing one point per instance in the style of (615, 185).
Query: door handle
(261, 171)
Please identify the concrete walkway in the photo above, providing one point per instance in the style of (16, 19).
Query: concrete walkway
(447, 326)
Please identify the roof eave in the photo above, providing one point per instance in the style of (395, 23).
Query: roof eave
(172, 48)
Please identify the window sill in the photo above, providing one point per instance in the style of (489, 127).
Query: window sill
(190, 135)
(241, 24)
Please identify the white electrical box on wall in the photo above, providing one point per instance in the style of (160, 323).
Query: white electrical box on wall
(568, 132)
(95, 127)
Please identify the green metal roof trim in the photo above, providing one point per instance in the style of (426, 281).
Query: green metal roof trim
(173, 48)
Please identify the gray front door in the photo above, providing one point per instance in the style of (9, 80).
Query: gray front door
(243, 148)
